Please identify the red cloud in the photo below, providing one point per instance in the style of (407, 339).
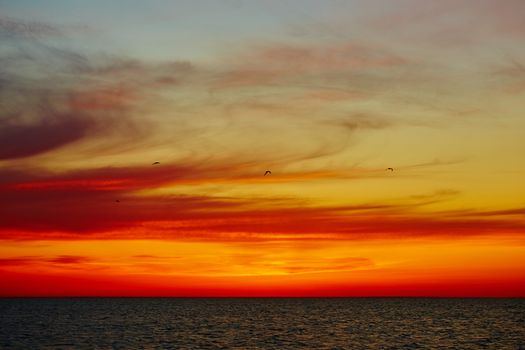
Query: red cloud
(103, 202)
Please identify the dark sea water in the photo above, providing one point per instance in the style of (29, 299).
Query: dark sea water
(207, 323)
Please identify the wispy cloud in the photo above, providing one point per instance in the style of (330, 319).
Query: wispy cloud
(454, 22)
(296, 65)
(511, 75)
(54, 97)
(13, 27)
(113, 105)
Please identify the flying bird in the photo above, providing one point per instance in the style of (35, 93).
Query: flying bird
(391, 169)
(155, 163)
(268, 172)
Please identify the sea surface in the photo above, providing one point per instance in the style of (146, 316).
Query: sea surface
(265, 323)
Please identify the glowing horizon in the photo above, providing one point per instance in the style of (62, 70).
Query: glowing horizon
(328, 95)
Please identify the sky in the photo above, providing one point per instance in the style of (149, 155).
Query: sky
(326, 94)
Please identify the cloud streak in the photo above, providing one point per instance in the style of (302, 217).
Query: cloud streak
(83, 205)
(13, 27)
(56, 261)
(54, 130)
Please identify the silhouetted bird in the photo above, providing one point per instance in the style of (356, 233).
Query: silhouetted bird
(155, 163)
(268, 172)
(391, 169)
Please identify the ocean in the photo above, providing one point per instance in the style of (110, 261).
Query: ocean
(261, 323)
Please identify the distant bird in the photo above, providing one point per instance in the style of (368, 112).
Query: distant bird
(155, 163)
(391, 169)
(268, 172)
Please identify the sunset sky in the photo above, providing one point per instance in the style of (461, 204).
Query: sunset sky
(325, 94)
